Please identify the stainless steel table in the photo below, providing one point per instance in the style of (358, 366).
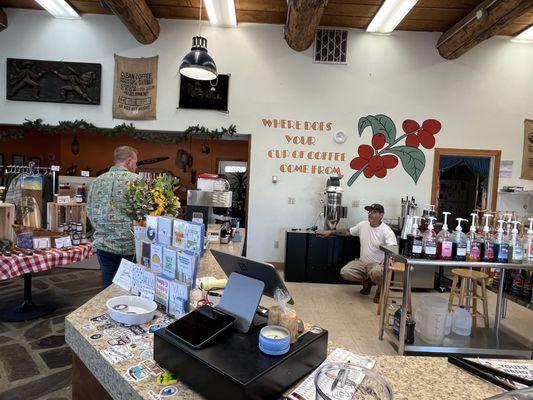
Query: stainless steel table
(483, 341)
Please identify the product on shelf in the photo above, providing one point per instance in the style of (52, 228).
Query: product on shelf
(487, 244)
(429, 241)
(459, 242)
(528, 243)
(444, 241)
(501, 245)
(414, 241)
(473, 242)
(516, 250)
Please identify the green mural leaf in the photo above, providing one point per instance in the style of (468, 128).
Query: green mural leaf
(362, 125)
(413, 160)
(380, 124)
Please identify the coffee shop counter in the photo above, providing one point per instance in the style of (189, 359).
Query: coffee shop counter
(114, 361)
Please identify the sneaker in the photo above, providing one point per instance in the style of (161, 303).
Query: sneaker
(367, 286)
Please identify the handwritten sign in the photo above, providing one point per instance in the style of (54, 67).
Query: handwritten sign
(312, 160)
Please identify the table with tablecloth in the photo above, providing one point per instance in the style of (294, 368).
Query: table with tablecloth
(13, 266)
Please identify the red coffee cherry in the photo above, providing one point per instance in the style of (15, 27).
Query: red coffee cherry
(410, 126)
(432, 126)
(412, 141)
(390, 161)
(378, 141)
(365, 151)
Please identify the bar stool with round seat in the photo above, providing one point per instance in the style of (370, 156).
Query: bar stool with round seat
(468, 290)
(396, 294)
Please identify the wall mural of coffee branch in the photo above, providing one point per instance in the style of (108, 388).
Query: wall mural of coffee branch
(384, 152)
(53, 81)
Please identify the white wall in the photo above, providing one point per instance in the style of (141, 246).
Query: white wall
(481, 100)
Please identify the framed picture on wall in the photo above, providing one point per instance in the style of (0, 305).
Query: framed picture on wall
(36, 160)
(205, 95)
(17, 159)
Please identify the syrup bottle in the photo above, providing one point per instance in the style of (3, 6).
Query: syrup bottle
(414, 241)
(516, 250)
(487, 244)
(473, 242)
(429, 242)
(501, 246)
(459, 242)
(444, 240)
(528, 243)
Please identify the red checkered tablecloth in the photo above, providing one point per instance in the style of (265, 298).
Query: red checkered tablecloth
(11, 267)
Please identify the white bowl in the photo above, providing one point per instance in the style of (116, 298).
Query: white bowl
(131, 310)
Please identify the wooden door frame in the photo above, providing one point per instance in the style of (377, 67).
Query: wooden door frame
(497, 154)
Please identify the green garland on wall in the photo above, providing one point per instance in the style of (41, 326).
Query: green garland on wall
(72, 127)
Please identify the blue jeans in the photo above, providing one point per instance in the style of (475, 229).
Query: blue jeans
(109, 263)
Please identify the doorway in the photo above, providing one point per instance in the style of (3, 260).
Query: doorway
(464, 181)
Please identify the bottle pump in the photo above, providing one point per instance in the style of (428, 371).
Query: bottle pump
(459, 242)
(487, 253)
(473, 245)
(516, 251)
(444, 240)
(430, 241)
(501, 246)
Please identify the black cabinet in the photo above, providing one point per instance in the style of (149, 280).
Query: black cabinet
(312, 258)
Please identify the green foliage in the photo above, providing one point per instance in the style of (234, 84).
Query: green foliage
(78, 126)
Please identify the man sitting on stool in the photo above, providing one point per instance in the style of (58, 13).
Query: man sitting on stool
(368, 269)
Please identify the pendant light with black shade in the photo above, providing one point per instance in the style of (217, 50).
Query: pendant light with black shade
(197, 64)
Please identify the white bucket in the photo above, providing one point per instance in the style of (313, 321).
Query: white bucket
(431, 321)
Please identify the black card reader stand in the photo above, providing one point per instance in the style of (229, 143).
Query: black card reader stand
(232, 366)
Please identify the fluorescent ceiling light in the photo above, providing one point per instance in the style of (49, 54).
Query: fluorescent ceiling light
(391, 13)
(525, 37)
(59, 9)
(221, 12)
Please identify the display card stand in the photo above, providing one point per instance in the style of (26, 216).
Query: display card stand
(240, 299)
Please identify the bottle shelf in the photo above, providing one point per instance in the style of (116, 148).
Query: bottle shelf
(515, 299)
(483, 342)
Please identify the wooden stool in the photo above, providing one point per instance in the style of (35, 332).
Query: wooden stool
(470, 278)
(397, 294)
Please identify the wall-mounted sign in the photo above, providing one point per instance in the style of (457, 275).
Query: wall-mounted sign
(206, 95)
(53, 81)
(309, 159)
(135, 89)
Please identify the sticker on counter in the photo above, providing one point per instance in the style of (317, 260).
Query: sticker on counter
(96, 336)
(105, 326)
(165, 392)
(142, 371)
(119, 341)
(167, 378)
(100, 318)
(136, 330)
(147, 354)
(116, 354)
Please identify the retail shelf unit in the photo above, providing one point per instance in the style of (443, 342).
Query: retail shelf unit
(486, 342)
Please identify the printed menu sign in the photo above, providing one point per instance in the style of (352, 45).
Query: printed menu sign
(135, 89)
(527, 158)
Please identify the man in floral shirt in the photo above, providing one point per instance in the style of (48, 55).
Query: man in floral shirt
(113, 236)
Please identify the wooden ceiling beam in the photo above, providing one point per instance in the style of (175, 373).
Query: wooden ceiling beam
(471, 30)
(3, 20)
(137, 17)
(303, 17)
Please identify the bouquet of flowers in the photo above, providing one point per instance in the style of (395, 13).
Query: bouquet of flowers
(151, 198)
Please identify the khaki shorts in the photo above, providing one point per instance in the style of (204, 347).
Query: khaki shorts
(358, 271)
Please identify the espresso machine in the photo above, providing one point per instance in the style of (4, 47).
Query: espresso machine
(333, 209)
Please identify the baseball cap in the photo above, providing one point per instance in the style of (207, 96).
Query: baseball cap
(375, 207)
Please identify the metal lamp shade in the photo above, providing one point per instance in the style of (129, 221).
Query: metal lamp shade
(197, 64)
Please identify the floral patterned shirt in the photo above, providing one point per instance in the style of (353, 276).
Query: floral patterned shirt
(113, 228)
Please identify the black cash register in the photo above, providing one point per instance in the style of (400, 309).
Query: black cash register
(224, 361)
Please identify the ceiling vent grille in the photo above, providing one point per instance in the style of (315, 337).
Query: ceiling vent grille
(331, 46)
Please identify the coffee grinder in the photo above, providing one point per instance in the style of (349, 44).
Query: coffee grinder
(333, 209)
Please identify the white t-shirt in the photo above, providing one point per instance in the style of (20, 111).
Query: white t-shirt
(371, 239)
